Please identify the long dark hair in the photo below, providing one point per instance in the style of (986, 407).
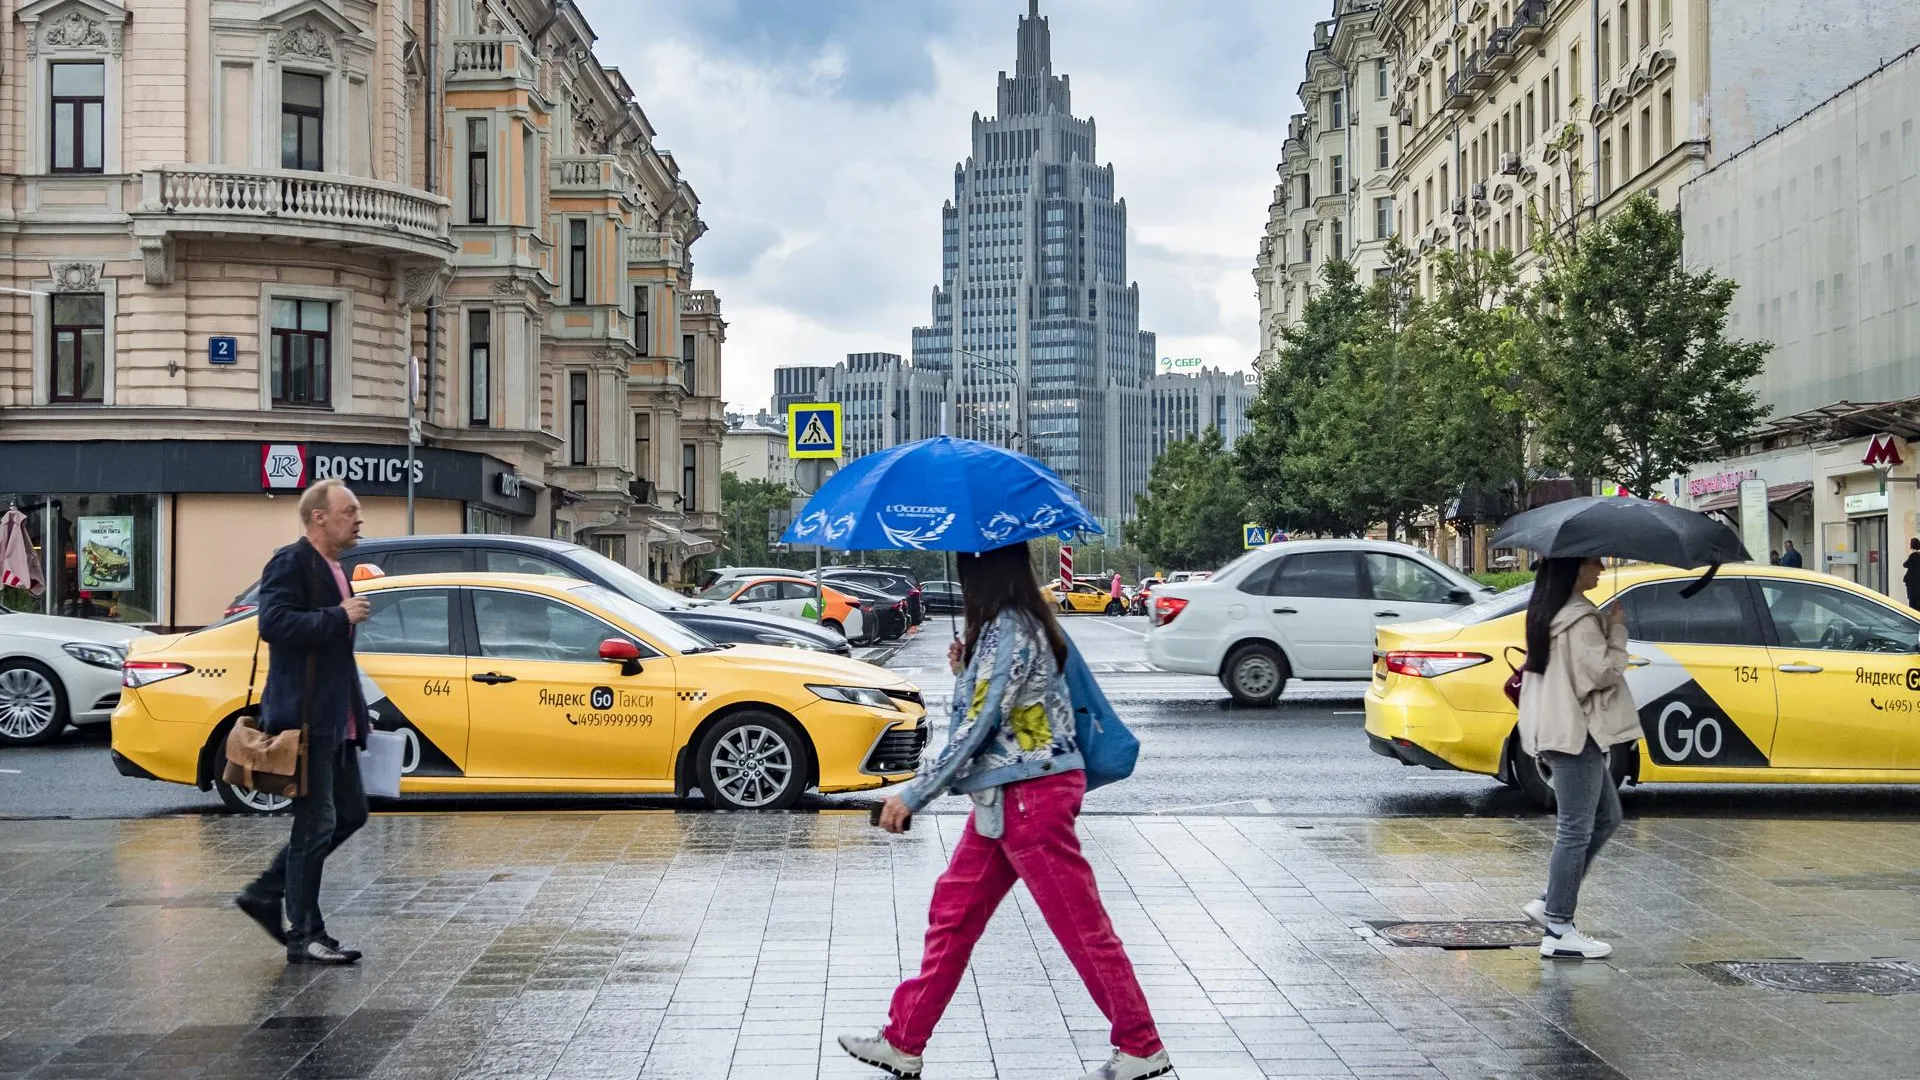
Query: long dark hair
(994, 581)
(1553, 585)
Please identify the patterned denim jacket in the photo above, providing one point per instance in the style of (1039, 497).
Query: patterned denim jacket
(1011, 719)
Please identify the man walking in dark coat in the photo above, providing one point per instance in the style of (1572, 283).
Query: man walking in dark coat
(307, 616)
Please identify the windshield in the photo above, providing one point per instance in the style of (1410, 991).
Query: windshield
(719, 590)
(1497, 606)
(632, 582)
(645, 619)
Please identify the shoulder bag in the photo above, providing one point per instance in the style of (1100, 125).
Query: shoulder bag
(1107, 748)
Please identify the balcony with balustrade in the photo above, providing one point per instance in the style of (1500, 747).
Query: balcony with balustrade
(490, 59)
(599, 174)
(284, 205)
(654, 250)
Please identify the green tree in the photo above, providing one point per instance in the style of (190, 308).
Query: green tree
(1636, 379)
(1191, 513)
(744, 518)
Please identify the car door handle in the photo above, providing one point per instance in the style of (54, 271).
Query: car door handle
(1285, 611)
(1802, 669)
(1386, 614)
(491, 677)
(1638, 661)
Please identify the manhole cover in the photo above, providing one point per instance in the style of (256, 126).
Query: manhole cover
(1882, 977)
(1464, 934)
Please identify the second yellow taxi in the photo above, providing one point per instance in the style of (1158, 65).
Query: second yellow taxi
(1768, 675)
(514, 683)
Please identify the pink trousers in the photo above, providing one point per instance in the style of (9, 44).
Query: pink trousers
(1040, 848)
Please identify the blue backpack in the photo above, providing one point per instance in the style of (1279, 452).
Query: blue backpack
(1106, 745)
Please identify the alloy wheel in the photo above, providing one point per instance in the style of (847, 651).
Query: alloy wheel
(261, 802)
(752, 766)
(28, 703)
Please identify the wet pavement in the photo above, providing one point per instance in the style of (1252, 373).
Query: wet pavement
(684, 946)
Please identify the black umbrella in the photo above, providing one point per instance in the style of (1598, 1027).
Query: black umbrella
(1621, 527)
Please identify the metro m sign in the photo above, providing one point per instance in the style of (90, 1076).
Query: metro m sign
(1883, 453)
(283, 466)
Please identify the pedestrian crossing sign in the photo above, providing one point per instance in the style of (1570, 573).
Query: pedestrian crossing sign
(1253, 536)
(813, 430)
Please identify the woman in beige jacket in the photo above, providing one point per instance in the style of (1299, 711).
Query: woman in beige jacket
(1574, 707)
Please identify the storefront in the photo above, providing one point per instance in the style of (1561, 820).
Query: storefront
(1866, 506)
(166, 533)
(1788, 474)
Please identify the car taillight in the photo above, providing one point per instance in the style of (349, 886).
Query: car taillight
(1432, 665)
(1166, 608)
(238, 609)
(138, 673)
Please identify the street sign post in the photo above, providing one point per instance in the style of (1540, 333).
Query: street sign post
(1253, 536)
(813, 430)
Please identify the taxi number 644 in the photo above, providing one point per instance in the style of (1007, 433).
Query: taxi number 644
(437, 688)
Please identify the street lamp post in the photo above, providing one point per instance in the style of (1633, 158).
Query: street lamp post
(1012, 372)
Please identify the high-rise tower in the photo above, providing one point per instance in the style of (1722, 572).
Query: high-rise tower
(1034, 321)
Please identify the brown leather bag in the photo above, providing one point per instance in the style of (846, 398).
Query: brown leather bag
(269, 764)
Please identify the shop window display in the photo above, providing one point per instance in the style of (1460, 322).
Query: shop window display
(104, 560)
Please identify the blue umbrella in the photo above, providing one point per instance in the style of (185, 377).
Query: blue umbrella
(941, 494)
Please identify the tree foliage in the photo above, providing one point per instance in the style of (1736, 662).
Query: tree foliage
(1191, 513)
(1636, 379)
(744, 517)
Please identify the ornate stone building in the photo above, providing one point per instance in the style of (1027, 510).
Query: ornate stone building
(229, 227)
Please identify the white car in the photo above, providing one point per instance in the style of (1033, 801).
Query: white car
(1305, 609)
(55, 671)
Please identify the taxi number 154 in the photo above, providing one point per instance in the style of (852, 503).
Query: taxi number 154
(1746, 674)
(437, 688)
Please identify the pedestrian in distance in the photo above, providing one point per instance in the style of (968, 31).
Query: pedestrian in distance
(1790, 557)
(1574, 707)
(1117, 591)
(1013, 750)
(1773, 557)
(1912, 577)
(307, 615)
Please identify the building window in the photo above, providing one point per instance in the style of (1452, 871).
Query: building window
(1606, 167)
(479, 367)
(1337, 109)
(1382, 218)
(688, 475)
(1530, 118)
(1380, 78)
(1626, 153)
(478, 172)
(1382, 147)
(79, 347)
(303, 113)
(1605, 43)
(79, 108)
(1626, 51)
(1646, 137)
(1339, 242)
(302, 352)
(577, 261)
(642, 319)
(687, 361)
(577, 418)
(1337, 173)
(1666, 120)
(1646, 23)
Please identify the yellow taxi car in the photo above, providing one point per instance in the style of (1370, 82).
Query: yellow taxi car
(1767, 675)
(522, 683)
(1085, 599)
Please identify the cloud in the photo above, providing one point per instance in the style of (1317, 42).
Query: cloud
(821, 136)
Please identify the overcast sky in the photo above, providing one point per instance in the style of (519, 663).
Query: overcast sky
(821, 136)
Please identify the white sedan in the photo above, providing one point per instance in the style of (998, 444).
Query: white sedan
(55, 671)
(1303, 609)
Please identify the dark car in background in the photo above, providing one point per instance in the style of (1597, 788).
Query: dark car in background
(493, 553)
(940, 597)
(891, 583)
(888, 619)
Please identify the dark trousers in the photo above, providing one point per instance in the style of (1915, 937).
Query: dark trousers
(334, 808)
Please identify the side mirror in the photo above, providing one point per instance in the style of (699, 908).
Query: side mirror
(623, 652)
(1459, 596)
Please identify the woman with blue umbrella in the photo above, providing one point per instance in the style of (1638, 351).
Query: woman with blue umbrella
(1012, 743)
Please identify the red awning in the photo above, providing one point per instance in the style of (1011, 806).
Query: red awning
(1777, 493)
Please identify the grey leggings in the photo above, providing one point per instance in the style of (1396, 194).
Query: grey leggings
(1588, 813)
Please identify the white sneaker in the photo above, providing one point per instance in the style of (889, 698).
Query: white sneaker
(1124, 1066)
(876, 1051)
(1573, 945)
(1536, 912)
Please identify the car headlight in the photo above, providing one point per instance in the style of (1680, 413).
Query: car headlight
(791, 642)
(856, 695)
(102, 656)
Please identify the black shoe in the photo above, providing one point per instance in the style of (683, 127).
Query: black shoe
(334, 943)
(265, 911)
(318, 951)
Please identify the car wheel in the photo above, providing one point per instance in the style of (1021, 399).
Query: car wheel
(834, 626)
(33, 704)
(1255, 675)
(1535, 777)
(753, 761)
(248, 801)
(1114, 607)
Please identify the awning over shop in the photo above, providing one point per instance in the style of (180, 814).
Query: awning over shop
(661, 533)
(1776, 494)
